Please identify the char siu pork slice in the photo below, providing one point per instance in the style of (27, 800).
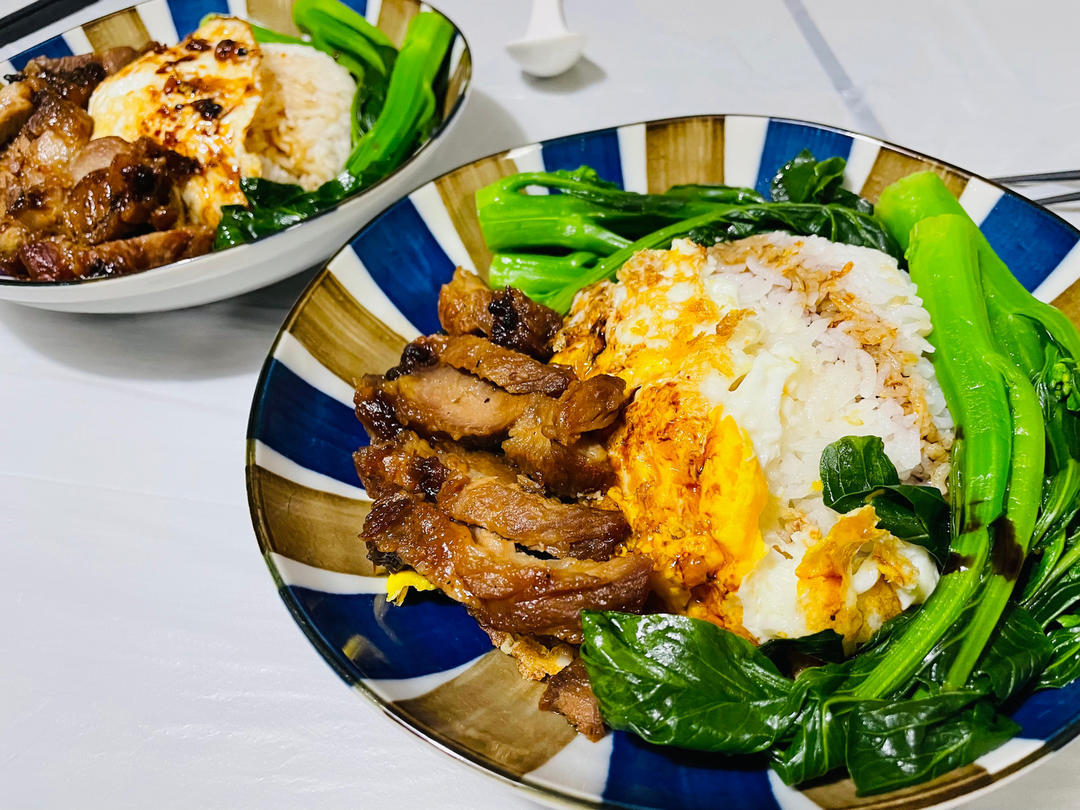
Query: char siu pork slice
(570, 694)
(439, 400)
(111, 60)
(566, 471)
(514, 372)
(503, 588)
(60, 259)
(16, 105)
(34, 174)
(138, 190)
(479, 489)
(508, 317)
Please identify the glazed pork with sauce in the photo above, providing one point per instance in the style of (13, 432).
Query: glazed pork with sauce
(74, 207)
(487, 469)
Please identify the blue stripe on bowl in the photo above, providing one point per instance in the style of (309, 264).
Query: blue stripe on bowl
(598, 149)
(307, 426)
(359, 6)
(1029, 239)
(187, 14)
(784, 140)
(428, 634)
(53, 48)
(1048, 712)
(407, 263)
(648, 776)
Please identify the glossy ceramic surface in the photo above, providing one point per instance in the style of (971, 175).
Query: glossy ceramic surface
(427, 663)
(215, 276)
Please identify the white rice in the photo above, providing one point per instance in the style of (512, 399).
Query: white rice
(301, 131)
(848, 353)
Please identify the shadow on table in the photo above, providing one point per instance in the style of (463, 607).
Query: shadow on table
(580, 76)
(485, 127)
(216, 340)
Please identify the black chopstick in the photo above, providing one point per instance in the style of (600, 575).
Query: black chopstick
(1044, 177)
(1072, 196)
(36, 16)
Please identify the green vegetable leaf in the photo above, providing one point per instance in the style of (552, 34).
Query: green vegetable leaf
(817, 743)
(269, 193)
(891, 745)
(679, 681)
(852, 466)
(1015, 654)
(589, 214)
(855, 471)
(804, 179)
(1052, 602)
(838, 223)
(275, 206)
(1064, 666)
(794, 654)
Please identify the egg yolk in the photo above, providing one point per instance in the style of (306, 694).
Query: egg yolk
(693, 492)
(825, 586)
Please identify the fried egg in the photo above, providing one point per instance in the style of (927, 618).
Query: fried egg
(199, 98)
(747, 359)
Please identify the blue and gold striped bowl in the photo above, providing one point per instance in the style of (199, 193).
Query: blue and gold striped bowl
(427, 663)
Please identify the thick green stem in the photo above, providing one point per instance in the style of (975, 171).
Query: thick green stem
(657, 239)
(944, 265)
(1013, 530)
(409, 101)
(921, 195)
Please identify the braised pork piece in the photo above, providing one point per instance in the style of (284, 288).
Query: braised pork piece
(487, 470)
(73, 207)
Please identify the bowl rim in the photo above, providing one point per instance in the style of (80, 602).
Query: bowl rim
(436, 133)
(552, 796)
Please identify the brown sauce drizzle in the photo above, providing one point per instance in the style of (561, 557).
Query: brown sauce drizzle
(229, 49)
(207, 108)
(1006, 555)
(170, 65)
(957, 563)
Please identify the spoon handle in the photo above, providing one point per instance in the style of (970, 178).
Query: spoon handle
(546, 20)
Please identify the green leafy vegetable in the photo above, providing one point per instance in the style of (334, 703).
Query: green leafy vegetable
(679, 681)
(817, 741)
(851, 467)
(855, 471)
(837, 222)
(549, 246)
(895, 744)
(265, 35)
(804, 179)
(340, 31)
(1064, 666)
(792, 654)
(275, 206)
(1016, 653)
(411, 108)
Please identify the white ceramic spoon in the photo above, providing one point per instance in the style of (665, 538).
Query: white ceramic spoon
(548, 47)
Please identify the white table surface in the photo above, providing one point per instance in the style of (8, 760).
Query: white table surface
(147, 661)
